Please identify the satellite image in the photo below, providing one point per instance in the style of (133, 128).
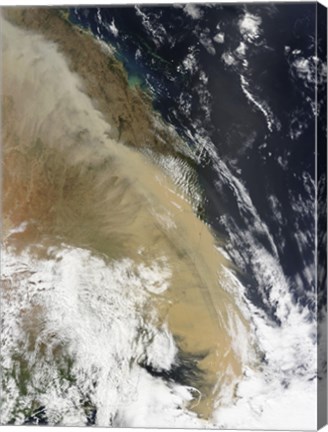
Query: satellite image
(163, 210)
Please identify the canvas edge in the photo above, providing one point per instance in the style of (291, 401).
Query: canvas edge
(321, 213)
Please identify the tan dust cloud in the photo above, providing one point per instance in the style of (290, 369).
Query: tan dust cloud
(70, 182)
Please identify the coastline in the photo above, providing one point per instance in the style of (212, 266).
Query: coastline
(128, 109)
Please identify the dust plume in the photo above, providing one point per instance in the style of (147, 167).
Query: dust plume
(67, 181)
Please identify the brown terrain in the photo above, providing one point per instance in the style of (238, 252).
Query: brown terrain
(128, 109)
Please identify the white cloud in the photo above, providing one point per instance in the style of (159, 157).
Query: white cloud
(262, 106)
(193, 10)
(113, 28)
(249, 26)
(228, 58)
(241, 49)
(155, 29)
(219, 38)
(207, 43)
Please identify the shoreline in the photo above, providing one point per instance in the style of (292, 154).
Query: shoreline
(128, 109)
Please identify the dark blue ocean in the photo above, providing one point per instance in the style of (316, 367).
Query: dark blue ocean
(264, 132)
